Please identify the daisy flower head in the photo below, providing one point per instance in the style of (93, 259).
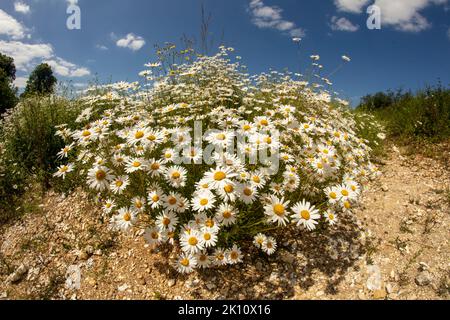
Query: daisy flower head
(135, 164)
(64, 153)
(186, 263)
(269, 246)
(155, 198)
(192, 242)
(219, 138)
(119, 184)
(259, 239)
(208, 237)
(156, 167)
(330, 217)
(305, 215)
(154, 236)
(99, 178)
(203, 260)
(234, 255)
(167, 221)
(219, 257)
(63, 170)
(219, 177)
(125, 218)
(138, 203)
(277, 211)
(247, 193)
(176, 176)
(203, 201)
(171, 201)
(109, 205)
(226, 214)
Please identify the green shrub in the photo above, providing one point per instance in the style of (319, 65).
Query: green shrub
(29, 146)
(425, 115)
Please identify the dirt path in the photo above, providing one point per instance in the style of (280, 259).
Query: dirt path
(395, 247)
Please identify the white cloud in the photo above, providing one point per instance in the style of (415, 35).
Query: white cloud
(67, 69)
(343, 24)
(20, 82)
(270, 17)
(101, 47)
(131, 41)
(353, 6)
(405, 15)
(26, 56)
(21, 7)
(11, 27)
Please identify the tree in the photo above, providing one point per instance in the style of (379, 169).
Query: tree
(41, 81)
(8, 97)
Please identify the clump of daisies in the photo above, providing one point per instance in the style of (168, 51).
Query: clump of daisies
(181, 157)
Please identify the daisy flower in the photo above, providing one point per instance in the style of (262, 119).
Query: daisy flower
(305, 214)
(203, 260)
(234, 255)
(186, 263)
(135, 164)
(167, 221)
(257, 179)
(269, 246)
(109, 205)
(176, 176)
(171, 201)
(332, 194)
(277, 211)
(155, 198)
(137, 136)
(203, 201)
(259, 239)
(119, 184)
(154, 236)
(63, 170)
(138, 203)
(125, 218)
(99, 178)
(219, 257)
(247, 193)
(208, 237)
(168, 156)
(219, 177)
(64, 153)
(191, 243)
(226, 214)
(330, 217)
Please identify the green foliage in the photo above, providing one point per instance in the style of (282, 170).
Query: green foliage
(424, 115)
(41, 81)
(8, 97)
(29, 146)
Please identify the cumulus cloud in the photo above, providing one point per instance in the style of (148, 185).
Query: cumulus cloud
(20, 82)
(21, 7)
(405, 15)
(270, 17)
(343, 24)
(11, 27)
(101, 47)
(353, 6)
(402, 15)
(26, 56)
(131, 41)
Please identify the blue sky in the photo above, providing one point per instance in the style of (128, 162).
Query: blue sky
(411, 49)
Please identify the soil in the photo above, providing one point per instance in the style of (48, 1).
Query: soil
(395, 246)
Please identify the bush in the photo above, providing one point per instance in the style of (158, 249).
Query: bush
(142, 153)
(425, 115)
(29, 146)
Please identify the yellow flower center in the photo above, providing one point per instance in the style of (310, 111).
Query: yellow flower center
(228, 188)
(172, 200)
(151, 137)
(331, 216)
(119, 183)
(209, 223)
(166, 221)
(193, 241)
(264, 122)
(204, 202)
(279, 210)
(155, 198)
(256, 179)
(247, 127)
(100, 175)
(127, 216)
(221, 136)
(139, 135)
(345, 193)
(333, 195)
(136, 164)
(219, 176)
(86, 133)
(347, 205)
(168, 155)
(227, 214)
(207, 236)
(305, 214)
(234, 255)
(155, 166)
(185, 262)
(176, 175)
(248, 192)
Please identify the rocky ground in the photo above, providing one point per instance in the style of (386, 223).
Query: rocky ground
(395, 247)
